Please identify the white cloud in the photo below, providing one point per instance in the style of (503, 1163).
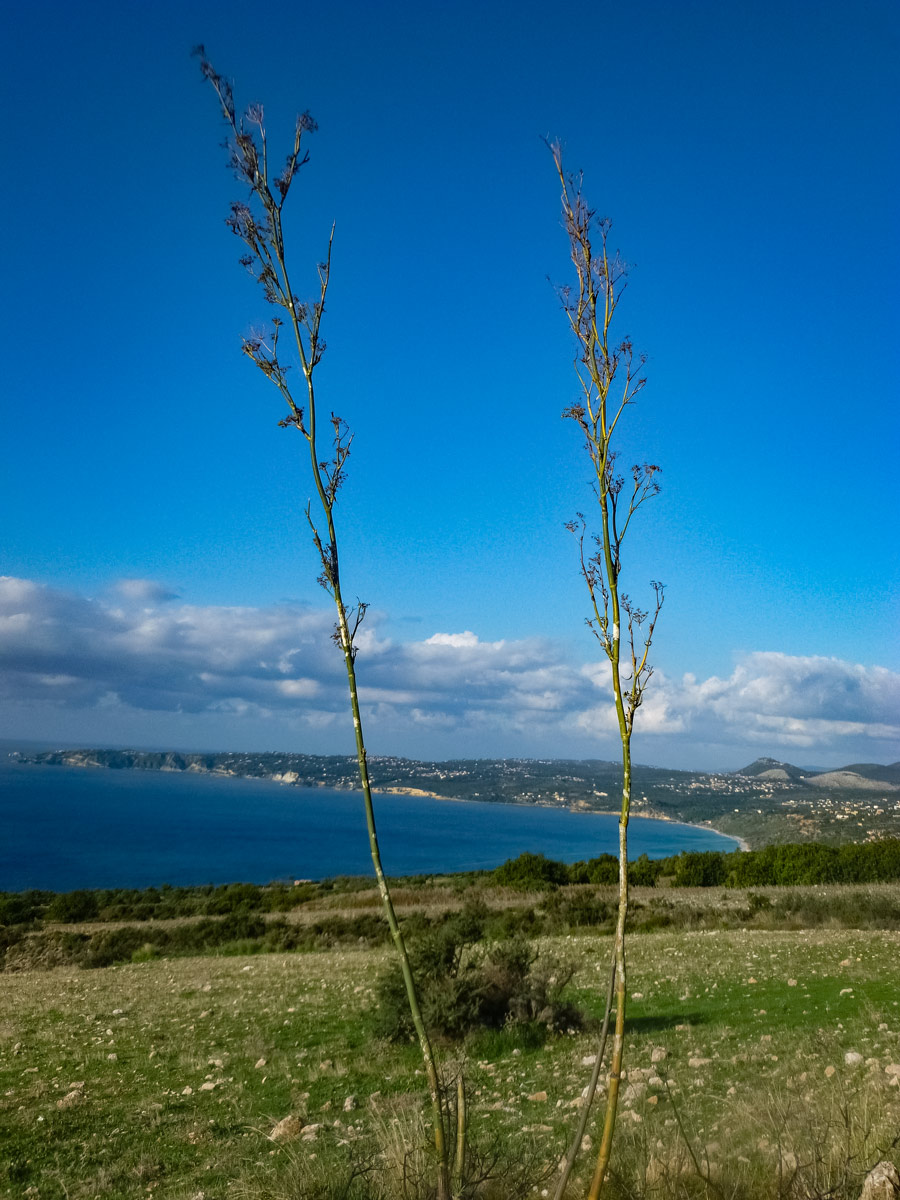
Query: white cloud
(252, 674)
(143, 591)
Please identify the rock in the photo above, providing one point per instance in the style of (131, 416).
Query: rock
(287, 1129)
(112, 1058)
(69, 1101)
(829, 1071)
(350, 1103)
(311, 1132)
(694, 1063)
(892, 1069)
(208, 1086)
(188, 1091)
(634, 1091)
(853, 1058)
(659, 1054)
(538, 1096)
(881, 1183)
(259, 1064)
(589, 1060)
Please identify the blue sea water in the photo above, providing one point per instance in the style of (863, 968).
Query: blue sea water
(64, 828)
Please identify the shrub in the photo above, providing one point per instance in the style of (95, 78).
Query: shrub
(113, 946)
(462, 990)
(602, 871)
(531, 871)
(700, 868)
(70, 907)
(23, 908)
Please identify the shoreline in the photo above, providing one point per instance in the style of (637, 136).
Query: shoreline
(742, 844)
(285, 780)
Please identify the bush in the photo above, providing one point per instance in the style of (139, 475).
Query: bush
(71, 907)
(113, 946)
(531, 871)
(577, 910)
(602, 871)
(700, 868)
(23, 908)
(462, 990)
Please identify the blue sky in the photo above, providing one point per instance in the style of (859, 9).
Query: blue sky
(747, 156)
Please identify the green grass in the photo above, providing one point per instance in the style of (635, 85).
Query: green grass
(751, 1022)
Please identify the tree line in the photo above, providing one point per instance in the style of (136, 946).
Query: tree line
(792, 864)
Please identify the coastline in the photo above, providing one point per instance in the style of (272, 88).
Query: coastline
(292, 779)
(742, 844)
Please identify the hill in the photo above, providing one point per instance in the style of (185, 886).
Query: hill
(860, 776)
(771, 768)
(851, 779)
(887, 774)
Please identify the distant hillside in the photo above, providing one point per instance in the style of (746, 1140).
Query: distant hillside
(851, 779)
(888, 774)
(865, 777)
(771, 768)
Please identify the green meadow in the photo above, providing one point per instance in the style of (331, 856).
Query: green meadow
(761, 1062)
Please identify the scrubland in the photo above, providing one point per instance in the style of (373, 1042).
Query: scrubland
(760, 1063)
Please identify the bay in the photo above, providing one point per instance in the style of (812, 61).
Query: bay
(65, 828)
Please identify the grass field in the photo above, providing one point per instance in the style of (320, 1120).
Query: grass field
(760, 1064)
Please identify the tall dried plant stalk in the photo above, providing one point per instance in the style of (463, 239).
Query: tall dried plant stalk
(609, 375)
(258, 224)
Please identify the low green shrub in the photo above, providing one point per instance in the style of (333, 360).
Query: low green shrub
(463, 987)
(531, 872)
(71, 907)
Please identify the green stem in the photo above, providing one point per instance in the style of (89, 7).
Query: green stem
(431, 1072)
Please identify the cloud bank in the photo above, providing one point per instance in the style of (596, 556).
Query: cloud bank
(140, 665)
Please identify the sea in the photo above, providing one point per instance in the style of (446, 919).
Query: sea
(63, 828)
